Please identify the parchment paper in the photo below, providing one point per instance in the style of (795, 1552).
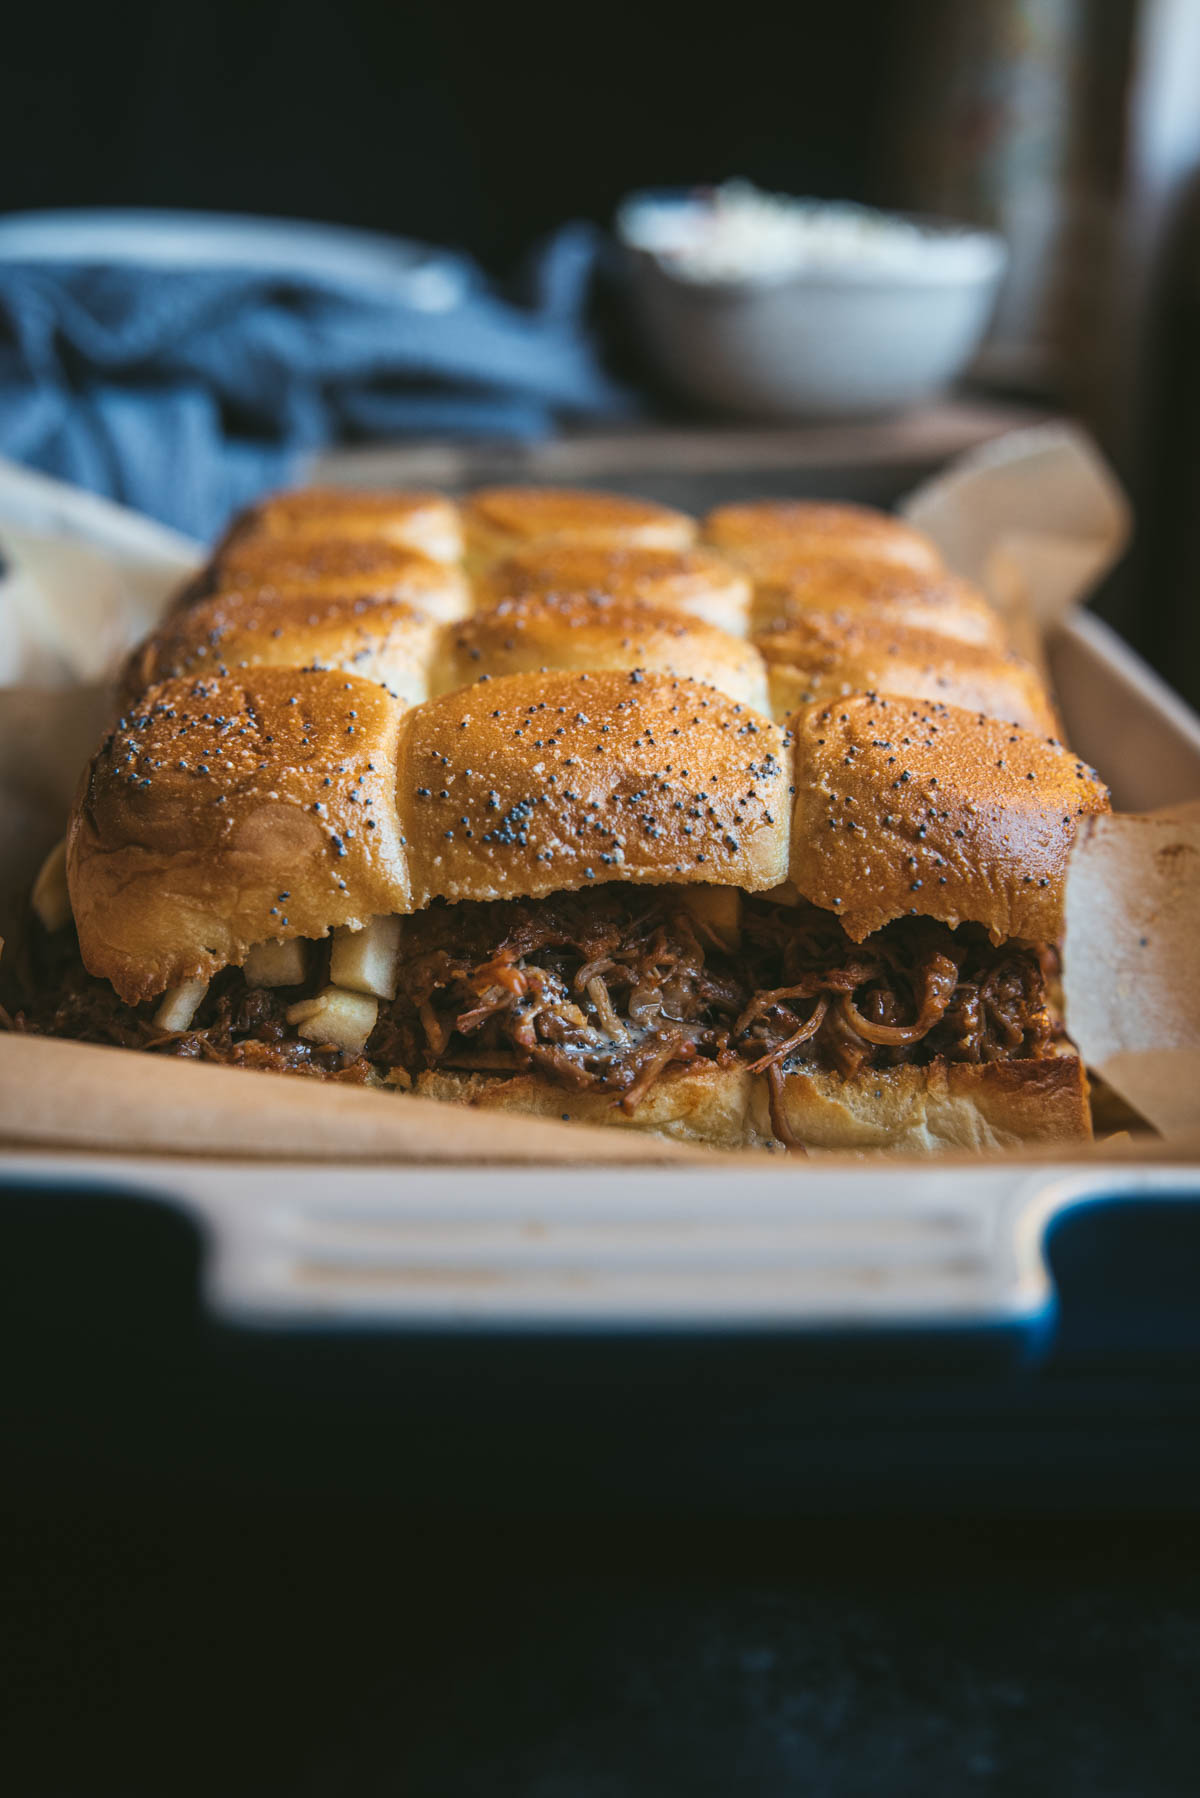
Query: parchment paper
(1036, 518)
(81, 1096)
(1131, 967)
(81, 581)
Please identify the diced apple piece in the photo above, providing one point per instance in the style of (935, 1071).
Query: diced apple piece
(276, 964)
(718, 909)
(51, 901)
(336, 1016)
(366, 960)
(180, 1004)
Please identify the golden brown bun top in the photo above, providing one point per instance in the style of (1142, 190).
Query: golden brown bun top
(342, 570)
(221, 813)
(813, 528)
(536, 783)
(501, 520)
(521, 636)
(697, 581)
(427, 522)
(613, 738)
(920, 808)
(787, 588)
(225, 812)
(386, 640)
(826, 654)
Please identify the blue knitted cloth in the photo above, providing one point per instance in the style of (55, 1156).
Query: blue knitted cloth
(183, 390)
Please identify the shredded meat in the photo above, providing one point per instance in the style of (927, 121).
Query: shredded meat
(239, 1025)
(610, 990)
(916, 991)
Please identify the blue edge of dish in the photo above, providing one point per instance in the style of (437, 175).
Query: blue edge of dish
(115, 1374)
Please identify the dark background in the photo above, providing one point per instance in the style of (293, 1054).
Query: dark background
(485, 129)
(356, 1652)
(479, 128)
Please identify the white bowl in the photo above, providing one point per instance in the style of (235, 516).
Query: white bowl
(840, 340)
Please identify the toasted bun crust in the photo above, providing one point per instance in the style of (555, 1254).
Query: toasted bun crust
(696, 581)
(828, 654)
(907, 1110)
(385, 640)
(809, 528)
(222, 813)
(710, 1105)
(787, 590)
(536, 783)
(267, 566)
(988, 1107)
(427, 522)
(914, 808)
(520, 636)
(501, 520)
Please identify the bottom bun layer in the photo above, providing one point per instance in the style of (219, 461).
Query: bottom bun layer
(713, 1106)
(949, 1105)
(913, 1110)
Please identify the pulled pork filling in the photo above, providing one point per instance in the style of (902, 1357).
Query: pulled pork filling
(612, 989)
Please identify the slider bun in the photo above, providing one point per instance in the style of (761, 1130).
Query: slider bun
(520, 636)
(385, 640)
(268, 567)
(211, 801)
(696, 581)
(787, 589)
(229, 811)
(539, 783)
(709, 1105)
(828, 654)
(914, 808)
(983, 1107)
(809, 528)
(426, 522)
(908, 1110)
(501, 520)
